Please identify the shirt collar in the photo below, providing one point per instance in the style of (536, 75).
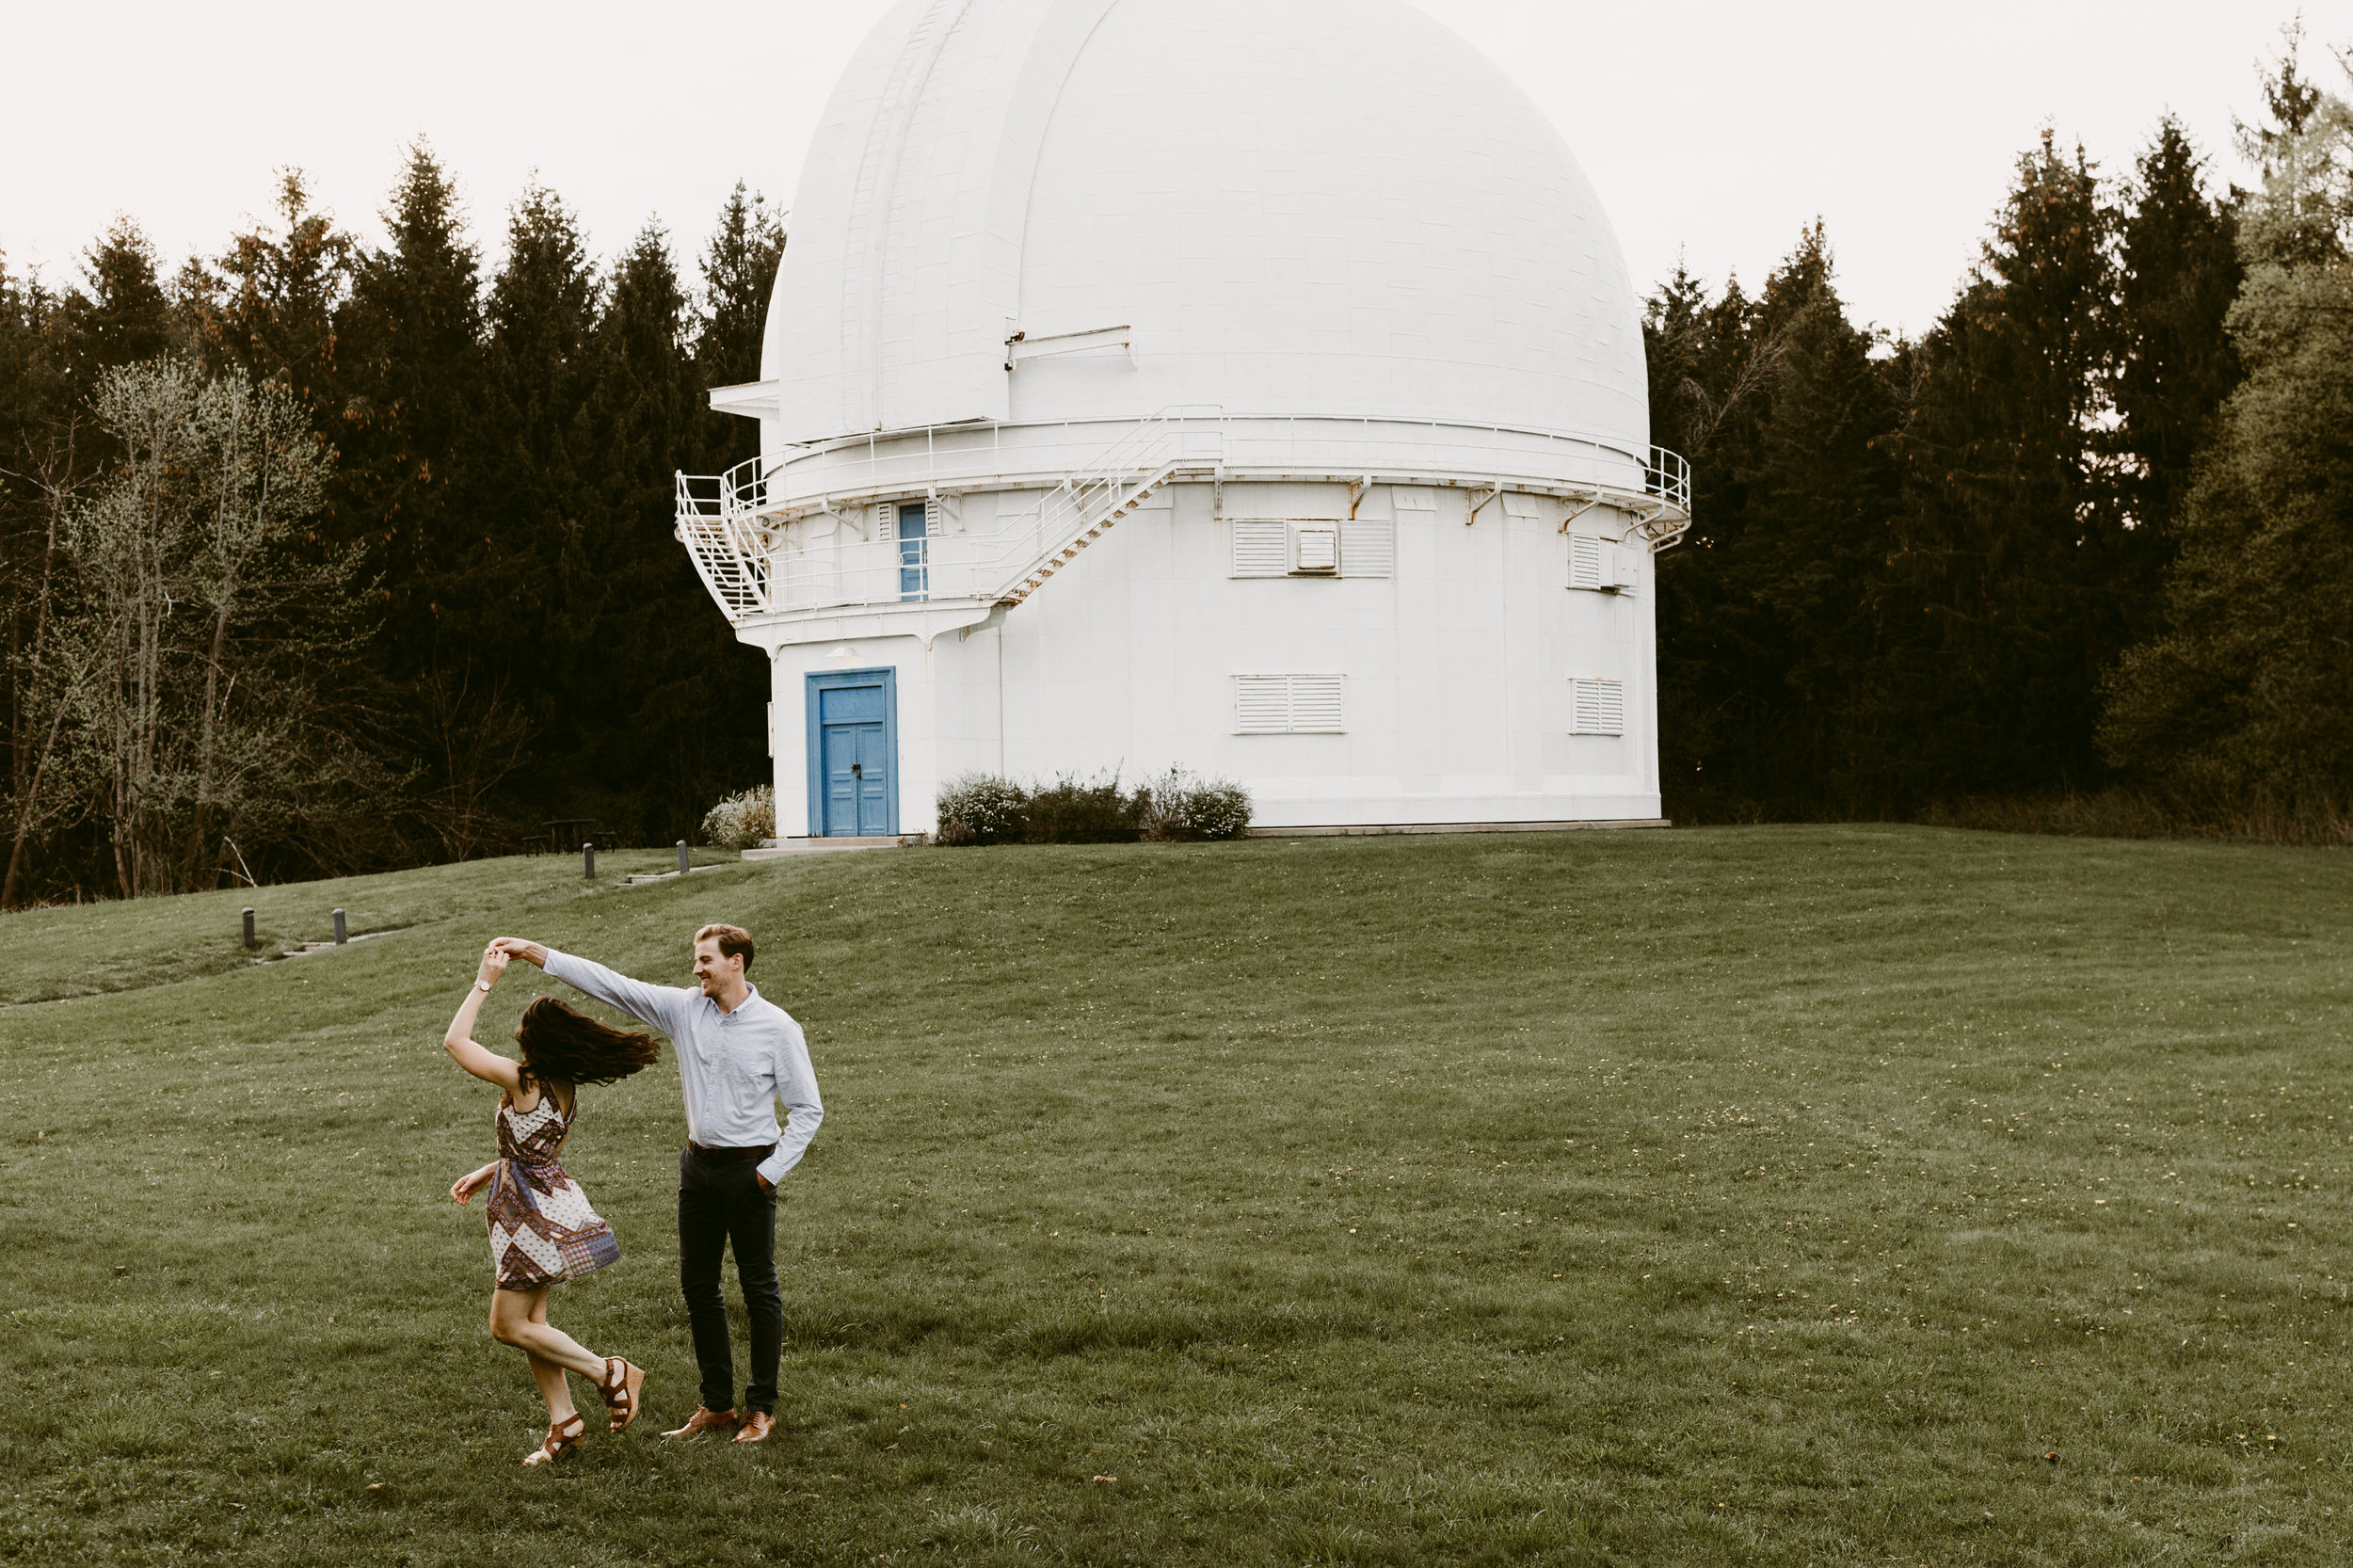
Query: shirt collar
(751, 995)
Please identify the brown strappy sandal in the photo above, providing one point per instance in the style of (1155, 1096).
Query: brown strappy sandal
(622, 1379)
(559, 1442)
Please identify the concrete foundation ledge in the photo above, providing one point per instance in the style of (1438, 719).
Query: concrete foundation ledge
(1352, 830)
(784, 849)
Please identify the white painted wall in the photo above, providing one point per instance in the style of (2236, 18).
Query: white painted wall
(1457, 672)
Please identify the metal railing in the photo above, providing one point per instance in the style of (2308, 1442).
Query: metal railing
(1003, 566)
(729, 523)
(731, 552)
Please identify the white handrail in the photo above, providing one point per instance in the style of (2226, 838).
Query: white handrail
(727, 521)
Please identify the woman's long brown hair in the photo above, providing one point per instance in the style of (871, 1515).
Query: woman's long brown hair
(563, 1047)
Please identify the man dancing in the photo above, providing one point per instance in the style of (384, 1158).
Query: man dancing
(738, 1054)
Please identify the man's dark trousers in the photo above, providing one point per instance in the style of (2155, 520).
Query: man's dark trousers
(720, 1201)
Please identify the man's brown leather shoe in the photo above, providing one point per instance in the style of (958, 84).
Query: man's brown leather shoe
(703, 1420)
(757, 1426)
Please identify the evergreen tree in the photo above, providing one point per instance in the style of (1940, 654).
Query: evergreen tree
(2241, 701)
(2179, 273)
(269, 305)
(669, 704)
(2008, 550)
(125, 316)
(417, 485)
(1767, 611)
(739, 268)
(1822, 494)
(512, 619)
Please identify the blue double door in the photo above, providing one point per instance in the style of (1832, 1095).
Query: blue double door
(853, 754)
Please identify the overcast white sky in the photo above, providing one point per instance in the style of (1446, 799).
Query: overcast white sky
(1716, 129)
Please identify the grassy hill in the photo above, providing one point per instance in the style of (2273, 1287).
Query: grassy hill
(1760, 1195)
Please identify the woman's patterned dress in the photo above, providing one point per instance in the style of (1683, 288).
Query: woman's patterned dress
(542, 1227)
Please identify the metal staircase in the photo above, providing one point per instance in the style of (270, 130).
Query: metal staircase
(718, 521)
(1090, 504)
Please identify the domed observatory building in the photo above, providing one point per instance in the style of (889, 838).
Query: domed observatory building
(1251, 386)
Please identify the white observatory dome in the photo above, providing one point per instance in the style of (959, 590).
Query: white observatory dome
(1245, 387)
(1315, 208)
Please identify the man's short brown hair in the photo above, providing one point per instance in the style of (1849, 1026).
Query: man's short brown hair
(734, 942)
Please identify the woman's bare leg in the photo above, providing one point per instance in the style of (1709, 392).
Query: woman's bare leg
(554, 1387)
(520, 1318)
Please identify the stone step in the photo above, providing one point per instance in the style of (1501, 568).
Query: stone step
(781, 849)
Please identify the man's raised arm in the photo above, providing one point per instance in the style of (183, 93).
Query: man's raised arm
(650, 1004)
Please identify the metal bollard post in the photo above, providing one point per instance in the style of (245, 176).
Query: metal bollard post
(588, 860)
(342, 935)
(682, 867)
(249, 928)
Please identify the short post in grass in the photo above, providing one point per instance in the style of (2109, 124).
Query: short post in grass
(248, 927)
(682, 867)
(342, 934)
(588, 860)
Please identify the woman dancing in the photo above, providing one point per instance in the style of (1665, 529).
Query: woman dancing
(542, 1227)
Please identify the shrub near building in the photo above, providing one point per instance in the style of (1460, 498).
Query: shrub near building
(984, 809)
(742, 821)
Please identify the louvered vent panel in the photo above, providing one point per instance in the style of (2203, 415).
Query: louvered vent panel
(1590, 562)
(1368, 548)
(1262, 704)
(1287, 705)
(1596, 707)
(1315, 705)
(1262, 548)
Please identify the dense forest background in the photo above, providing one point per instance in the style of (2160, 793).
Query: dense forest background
(2080, 557)
(317, 557)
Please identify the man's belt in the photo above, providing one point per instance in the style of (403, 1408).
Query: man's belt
(728, 1157)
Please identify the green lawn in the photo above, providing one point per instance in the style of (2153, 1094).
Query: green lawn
(1742, 1195)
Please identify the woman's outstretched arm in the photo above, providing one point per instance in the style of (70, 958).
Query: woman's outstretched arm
(458, 1041)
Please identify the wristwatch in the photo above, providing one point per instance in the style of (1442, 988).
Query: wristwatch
(483, 987)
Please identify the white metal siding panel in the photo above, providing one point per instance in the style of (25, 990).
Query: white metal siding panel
(1630, 565)
(1261, 546)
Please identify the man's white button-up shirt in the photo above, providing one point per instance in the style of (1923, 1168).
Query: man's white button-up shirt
(733, 1066)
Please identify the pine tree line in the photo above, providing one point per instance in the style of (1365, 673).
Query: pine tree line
(320, 556)
(2081, 554)
(498, 626)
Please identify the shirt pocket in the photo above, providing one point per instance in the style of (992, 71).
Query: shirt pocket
(749, 1077)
